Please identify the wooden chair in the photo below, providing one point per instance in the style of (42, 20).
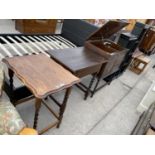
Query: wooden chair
(10, 120)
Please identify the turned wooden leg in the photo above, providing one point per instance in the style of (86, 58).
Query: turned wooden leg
(37, 109)
(11, 74)
(90, 85)
(97, 83)
(63, 106)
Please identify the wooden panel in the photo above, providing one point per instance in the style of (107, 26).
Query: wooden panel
(36, 25)
(40, 74)
(38, 30)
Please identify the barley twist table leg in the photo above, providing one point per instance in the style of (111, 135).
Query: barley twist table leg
(37, 109)
(96, 85)
(11, 75)
(63, 106)
(90, 85)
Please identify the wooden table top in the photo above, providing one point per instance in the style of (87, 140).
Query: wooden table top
(42, 75)
(78, 59)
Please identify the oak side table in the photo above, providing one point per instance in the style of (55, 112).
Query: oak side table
(43, 77)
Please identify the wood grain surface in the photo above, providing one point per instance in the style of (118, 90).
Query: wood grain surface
(42, 75)
(80, 61)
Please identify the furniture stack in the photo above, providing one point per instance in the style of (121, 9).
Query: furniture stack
(141, 33)
(72, 36)
(140, 39)
(47, 64)
(97, 45)
(129, 39)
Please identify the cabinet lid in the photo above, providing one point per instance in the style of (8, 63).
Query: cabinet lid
(107, 30)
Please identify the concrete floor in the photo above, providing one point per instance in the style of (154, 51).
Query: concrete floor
(111, 111)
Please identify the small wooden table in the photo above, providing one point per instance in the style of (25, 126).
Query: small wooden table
(43, 77)
(81, 62)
